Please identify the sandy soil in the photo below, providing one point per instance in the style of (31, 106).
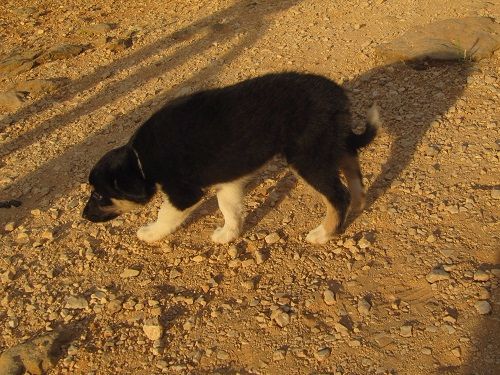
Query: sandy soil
(366, 303)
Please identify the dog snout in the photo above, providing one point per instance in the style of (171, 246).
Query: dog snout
(94, 213)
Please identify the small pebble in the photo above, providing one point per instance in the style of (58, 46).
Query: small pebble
(198, 258)
(329, 297)
(259, 257)
(322, 354)
(426, 351)
(456, 352)
(129, 272)
(152, 329)
(480, 275)
(272, 238)
(278, 355)
(364, 306)
(222, 355)
(233, 252)
(406, 331)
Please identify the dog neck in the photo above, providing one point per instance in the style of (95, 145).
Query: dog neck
(139, 163)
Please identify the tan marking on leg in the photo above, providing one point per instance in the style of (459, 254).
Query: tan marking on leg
(331, 220)
(324, 232)
(349, 166)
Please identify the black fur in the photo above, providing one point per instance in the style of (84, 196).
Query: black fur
(219, 135)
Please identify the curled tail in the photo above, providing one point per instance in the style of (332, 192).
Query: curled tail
(356, 141)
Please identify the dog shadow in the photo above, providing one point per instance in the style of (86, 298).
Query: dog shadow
(412, 96)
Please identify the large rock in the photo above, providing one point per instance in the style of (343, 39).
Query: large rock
(11, 100)
(37, 87)
(36, 356)
(471, 38)
(60, 52)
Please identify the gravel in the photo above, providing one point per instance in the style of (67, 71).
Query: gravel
(412, 278)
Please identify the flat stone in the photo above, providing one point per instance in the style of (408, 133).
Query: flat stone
(437, 275)
(119, 44)
(76, 303)
(259, 257)
(248, 284)
(232, 252)
(364, 306)
(278, 355)
(456, 352)
(426, 351)
(483, 307)
(10, 226)
(363, 243)
(16, 65)
(471, 38)
(383, 339)
(198, 258)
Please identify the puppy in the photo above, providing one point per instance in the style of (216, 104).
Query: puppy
(220, 137)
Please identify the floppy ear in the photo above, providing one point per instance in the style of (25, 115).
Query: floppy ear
(129, 180)
(132, 188)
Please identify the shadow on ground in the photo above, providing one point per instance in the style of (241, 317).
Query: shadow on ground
(249, 18)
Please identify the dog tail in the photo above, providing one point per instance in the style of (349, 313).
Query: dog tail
(373, 122)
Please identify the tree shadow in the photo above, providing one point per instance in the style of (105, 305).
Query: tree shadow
(250, 17)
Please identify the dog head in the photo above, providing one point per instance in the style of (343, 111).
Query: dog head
(118, 185)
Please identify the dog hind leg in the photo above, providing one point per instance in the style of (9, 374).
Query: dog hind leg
(326, 182)
(349, 165)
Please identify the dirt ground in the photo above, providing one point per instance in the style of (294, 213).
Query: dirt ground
(411, 287)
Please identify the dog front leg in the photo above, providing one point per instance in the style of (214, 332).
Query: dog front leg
(169, 219)
(230, 198)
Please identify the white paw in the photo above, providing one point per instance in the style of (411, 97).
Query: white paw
(152, 232)
(225, 235)
(318, 236)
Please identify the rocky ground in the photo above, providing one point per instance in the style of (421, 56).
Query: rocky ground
(411, 287)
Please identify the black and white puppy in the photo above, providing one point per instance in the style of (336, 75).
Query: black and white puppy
(220, 137)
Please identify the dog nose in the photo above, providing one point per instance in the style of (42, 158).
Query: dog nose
(86, 212)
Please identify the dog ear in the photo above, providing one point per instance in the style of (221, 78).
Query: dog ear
(132, 188)
(129, 180)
